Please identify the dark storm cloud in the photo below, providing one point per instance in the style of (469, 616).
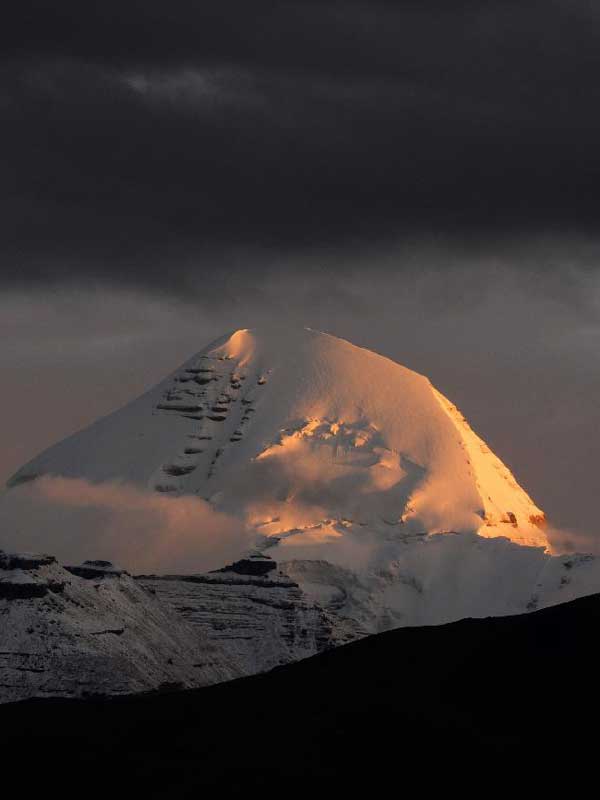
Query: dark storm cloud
(155, 143)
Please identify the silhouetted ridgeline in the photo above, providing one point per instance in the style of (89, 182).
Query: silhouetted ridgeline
(470, 705)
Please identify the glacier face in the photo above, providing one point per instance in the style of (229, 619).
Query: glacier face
(444, 578)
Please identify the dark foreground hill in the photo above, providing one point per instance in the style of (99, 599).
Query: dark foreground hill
(476, 705)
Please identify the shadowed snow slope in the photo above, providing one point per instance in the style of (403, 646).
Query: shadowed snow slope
(93, 629)
(304, 436)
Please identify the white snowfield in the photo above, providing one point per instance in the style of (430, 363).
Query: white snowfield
(367, 487)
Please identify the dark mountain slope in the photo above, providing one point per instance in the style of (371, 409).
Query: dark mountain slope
(476, 704)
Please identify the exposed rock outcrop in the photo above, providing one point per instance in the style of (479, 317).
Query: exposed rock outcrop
(254, 613)
(94, 630)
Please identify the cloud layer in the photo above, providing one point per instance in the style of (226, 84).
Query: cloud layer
(141, 531)
(171, 147)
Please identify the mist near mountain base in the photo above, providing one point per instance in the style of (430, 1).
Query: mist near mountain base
(76, 520)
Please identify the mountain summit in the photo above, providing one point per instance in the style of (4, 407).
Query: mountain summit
(307, 439)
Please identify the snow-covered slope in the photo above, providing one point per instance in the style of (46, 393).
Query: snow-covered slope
(92, 629)
(443, 578)
(253, 613)
(303, 435)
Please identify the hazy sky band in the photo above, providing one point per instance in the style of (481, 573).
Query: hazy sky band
(141, 137)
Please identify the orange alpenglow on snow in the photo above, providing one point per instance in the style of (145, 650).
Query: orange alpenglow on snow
(306, 439)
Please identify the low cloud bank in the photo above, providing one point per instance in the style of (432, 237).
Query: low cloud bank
(143, 531)
(136, 529)
(562, 540)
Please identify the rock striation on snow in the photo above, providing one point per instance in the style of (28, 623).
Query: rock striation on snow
(92, 629)
(76, 632)
(255, 614)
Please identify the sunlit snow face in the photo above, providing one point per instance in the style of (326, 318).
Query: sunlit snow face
(319, 469)
(306, 437)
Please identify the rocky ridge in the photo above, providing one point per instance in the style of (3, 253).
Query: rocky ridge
(93, 629)
(254, 613)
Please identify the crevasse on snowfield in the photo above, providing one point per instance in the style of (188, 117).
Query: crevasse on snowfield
(364, 484)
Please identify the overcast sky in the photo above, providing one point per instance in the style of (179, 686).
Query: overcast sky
(422, 178)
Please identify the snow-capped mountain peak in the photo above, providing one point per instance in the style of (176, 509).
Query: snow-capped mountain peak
(307, 439)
